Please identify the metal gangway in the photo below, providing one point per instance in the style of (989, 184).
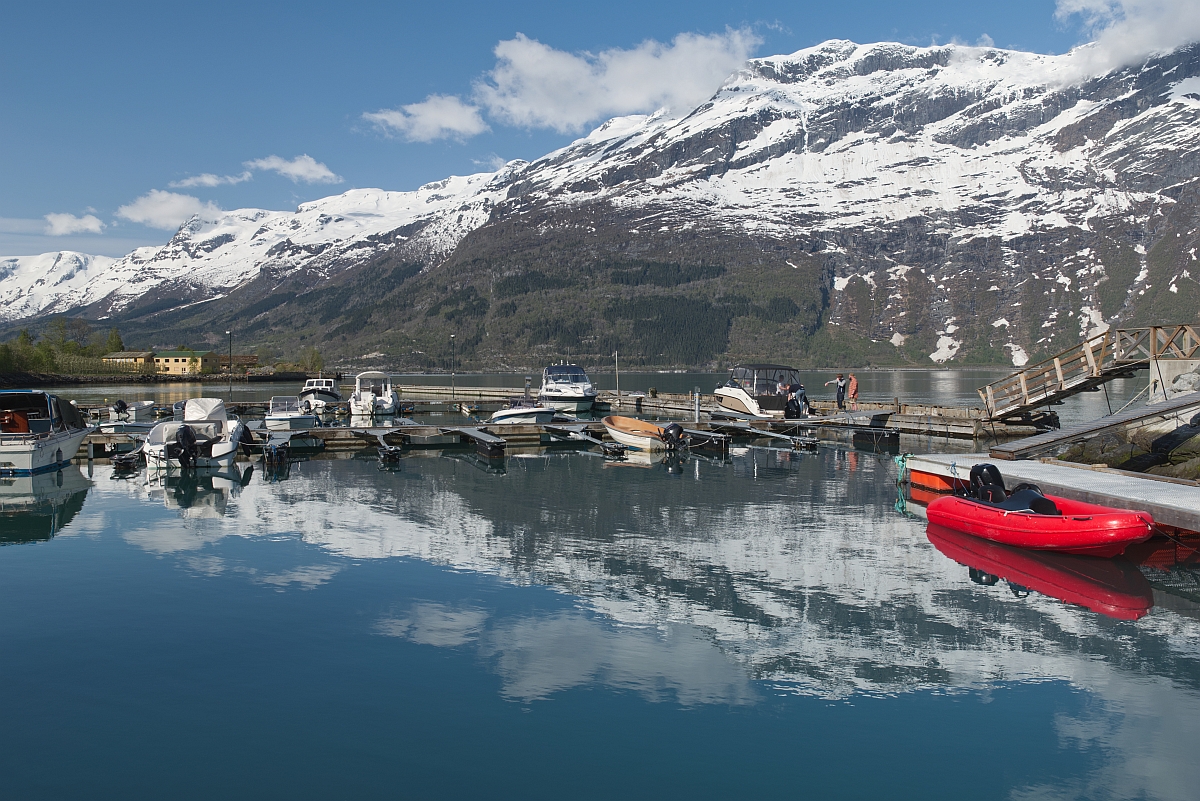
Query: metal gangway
(1116, 353)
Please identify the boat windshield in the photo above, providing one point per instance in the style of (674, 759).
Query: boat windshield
(319, 383)
(282, 404)
(566, 374)
(763, 379)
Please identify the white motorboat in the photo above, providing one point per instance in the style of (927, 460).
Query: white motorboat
(567, 388)
(318, 393)
(520, 412)
(38, 432)
(643, 435)
(757, 390)
(136, 412)
(373, 395)
(206, 437)
(285, 414)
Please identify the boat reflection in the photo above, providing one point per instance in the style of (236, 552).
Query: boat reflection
(200, 493)
(1111, 587)
(35, 508)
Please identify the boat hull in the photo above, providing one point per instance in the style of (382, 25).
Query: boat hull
(31, 454)
(293, 422)
(1082, 528)
(636, 434)
(581, 404)
(539, 416)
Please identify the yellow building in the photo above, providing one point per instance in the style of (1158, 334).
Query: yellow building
(130, 361)
(182, 362)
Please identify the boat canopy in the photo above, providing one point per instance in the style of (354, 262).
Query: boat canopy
(204, 409)
(373, 381)
(565, 374)
(762, 379)
(319, 383)
(33, 411)
(281, 404)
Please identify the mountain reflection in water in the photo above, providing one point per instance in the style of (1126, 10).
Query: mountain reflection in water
(695, 582)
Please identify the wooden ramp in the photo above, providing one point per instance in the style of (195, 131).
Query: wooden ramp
(1032, 446)
(1114, 354)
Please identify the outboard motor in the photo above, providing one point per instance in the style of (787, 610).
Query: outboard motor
(185, 438)
(672, 435)
(119, 408)
(987, 484)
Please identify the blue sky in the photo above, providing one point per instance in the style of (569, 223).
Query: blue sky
(116, 116)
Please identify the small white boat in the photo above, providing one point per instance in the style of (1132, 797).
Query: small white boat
(136, 412)
(206, 437)
(567, 388)
(285, 414)
(519, 412)
(373, 395)
(318, 393)
(643, 435)
(757, 390)
(38, 432)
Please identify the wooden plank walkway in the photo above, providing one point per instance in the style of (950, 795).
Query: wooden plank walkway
(1040, 443)
(1172, 503)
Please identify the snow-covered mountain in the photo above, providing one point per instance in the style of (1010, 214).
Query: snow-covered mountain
(909, 203)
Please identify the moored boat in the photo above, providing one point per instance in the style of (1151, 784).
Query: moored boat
(1028, 518)
(567, 388)
(373, 395)
(318, 393)
(206, 437)
(757, 390)
(38, 432)
(285, 414)
(642, 434)
(1108, 586)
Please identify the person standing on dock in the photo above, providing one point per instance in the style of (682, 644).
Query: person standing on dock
(852, 392)
(840, 383)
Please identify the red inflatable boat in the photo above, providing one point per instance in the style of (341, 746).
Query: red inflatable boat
(1107, 586)
(1027, 518)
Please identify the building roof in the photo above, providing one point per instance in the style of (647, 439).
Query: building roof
(130, 354)
(185, 354)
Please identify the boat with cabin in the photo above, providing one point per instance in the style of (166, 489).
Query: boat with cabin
(39, 432)
(317, 393)
(285, 413)
(373, 395)
(757, 390)
(206, 437)
(567, 388)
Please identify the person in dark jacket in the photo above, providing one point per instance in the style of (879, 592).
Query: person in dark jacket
(840, 383)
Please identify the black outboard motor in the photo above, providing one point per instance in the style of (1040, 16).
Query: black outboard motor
(672, 435)
(987, 484)
(185, 438)
(120, 407)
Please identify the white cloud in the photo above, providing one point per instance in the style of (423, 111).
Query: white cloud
(1126, 31)
(209, 179)
(302, 169)
(493, 162)
(65, 224)
(536, 86)
(166, 210)
(435, 117)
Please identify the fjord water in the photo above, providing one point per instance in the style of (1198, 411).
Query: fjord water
(558, 626)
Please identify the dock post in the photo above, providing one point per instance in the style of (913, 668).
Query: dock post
(91, 451)
(697, 420)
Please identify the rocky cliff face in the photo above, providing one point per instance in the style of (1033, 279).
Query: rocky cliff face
(846, 203)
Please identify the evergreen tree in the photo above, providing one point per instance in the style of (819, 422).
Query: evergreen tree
(114, 343)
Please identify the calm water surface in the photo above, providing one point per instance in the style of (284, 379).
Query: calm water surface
(559, 627)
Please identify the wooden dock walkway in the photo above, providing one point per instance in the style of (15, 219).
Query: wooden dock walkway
(1180, 406)
(1173, 502)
